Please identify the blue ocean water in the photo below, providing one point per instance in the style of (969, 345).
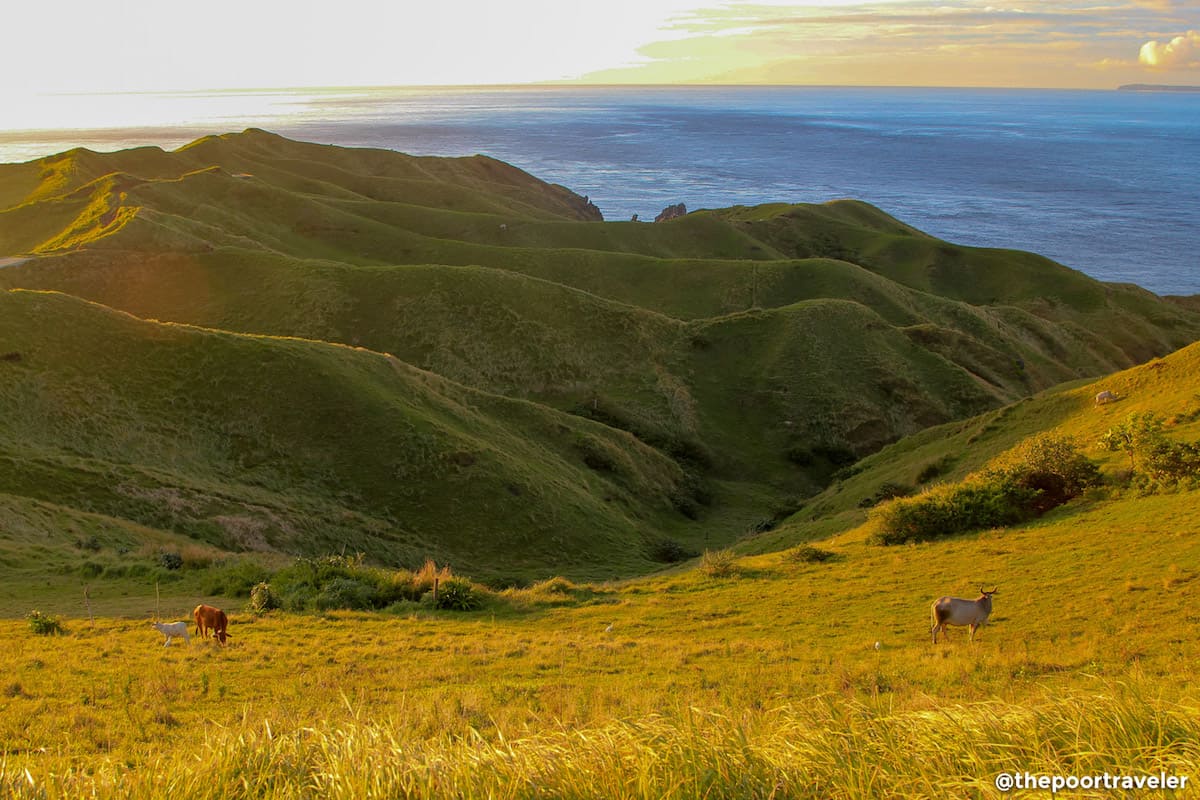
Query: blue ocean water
(1105, 182)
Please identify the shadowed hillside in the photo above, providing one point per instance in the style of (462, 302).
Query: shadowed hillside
(1168, 387)
(170, 427)
(714, 369)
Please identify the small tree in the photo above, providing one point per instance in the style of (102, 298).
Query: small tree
(1137, 435)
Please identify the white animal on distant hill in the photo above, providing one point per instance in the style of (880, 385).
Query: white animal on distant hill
(1105, 397)
(172, 630)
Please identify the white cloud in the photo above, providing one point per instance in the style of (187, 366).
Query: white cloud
(1182, 52)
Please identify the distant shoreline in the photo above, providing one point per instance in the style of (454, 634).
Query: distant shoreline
(1156, 87)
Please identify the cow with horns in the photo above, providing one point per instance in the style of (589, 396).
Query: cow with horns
(957, 611)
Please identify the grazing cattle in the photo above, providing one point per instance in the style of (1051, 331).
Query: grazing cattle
(208, 618)
(172, 630)
(1105, 397)
(957, 611)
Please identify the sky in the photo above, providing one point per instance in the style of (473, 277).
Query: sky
(164, 45)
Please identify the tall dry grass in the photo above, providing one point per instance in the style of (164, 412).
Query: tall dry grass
(828, 748)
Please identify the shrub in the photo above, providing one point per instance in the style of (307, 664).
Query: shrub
(1041, 473)
(886, 491)
(1172, 461)
(934, 469)
(718, 563)
(345, 593)
(457, 594)
(1137, 434)
(169, 560)
(1044, 455)
(807, 554)
(264, 599)
(947, 510)
(669, 551)
(341, 582)
(44, 624)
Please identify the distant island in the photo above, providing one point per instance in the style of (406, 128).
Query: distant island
(1156, 87)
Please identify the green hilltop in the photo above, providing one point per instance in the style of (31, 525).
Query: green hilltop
(264, 344)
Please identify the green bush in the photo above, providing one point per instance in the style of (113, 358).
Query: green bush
(1041, 473)
(807, 554)
(169, 560)
(886, 491)
(935, 469)
(1155, 461)
(264, 599)
(669, 551)
(340, 582)
(346, 593)
(1173, 461)
(457, 594)
(44, 624)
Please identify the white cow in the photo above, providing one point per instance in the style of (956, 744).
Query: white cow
(172, 630)
(957, 611)
(1105, 397)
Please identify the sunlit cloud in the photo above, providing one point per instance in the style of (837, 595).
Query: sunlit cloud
(942, 42)
(1182, 52)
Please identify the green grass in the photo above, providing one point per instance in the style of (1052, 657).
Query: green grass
(165, 426)
(1168, 387)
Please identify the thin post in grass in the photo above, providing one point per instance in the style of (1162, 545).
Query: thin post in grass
(87, 601)
(157, 615)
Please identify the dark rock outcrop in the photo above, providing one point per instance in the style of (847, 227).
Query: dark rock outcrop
(671, 212)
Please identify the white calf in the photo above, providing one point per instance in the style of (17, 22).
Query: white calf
(172, 630)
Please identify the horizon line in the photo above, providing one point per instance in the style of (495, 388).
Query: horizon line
(570, 85)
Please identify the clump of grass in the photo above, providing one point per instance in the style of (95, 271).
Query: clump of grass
(718, 563)
(457, 594)
(807, 554)
(44, 624)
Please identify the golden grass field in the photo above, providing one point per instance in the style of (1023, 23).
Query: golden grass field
(766, 683)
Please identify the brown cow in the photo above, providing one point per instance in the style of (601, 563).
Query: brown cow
(208, 617)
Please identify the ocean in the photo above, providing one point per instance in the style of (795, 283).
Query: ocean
(1105, 182)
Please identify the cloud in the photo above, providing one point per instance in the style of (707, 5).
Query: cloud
(1182, 52)
(1089, 43)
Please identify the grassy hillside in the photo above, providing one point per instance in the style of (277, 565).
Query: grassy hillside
(170, 427)
(708, 373)
(1168, 387)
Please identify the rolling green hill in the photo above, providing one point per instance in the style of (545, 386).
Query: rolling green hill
(448, 357)
(1168, 387)
(169, 426)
